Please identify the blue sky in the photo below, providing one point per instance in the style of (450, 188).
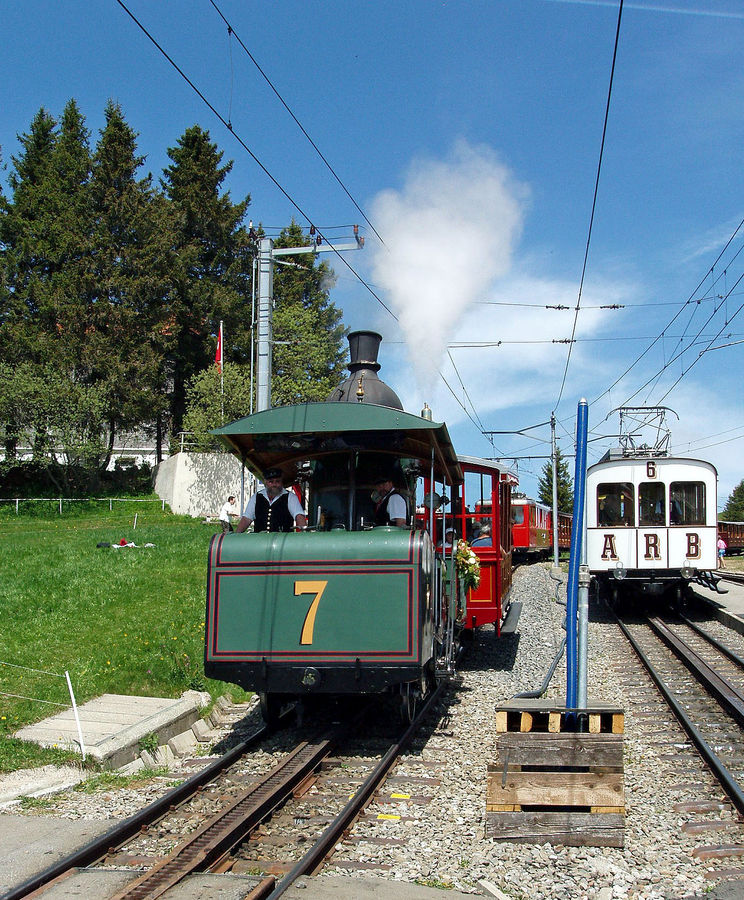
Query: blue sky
(469, 133)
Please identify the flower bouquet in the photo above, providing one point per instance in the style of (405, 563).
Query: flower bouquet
(467, 565)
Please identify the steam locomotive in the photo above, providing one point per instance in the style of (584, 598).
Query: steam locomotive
(347, 606)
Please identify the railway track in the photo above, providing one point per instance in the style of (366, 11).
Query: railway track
(703, 683)
(282, 825)
(732, 577)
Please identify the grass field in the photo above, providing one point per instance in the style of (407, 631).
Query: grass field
(125, 621)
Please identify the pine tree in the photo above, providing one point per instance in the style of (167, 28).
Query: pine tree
(125, 279)
(212, 270)
(734, 509)
(565, 487)
(309, 353)
(43, 229)
(25, 238)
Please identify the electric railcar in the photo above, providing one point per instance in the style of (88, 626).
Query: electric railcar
(651, 524)
(345, 607)
(532, 529)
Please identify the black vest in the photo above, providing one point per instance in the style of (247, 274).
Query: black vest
(381, 513)
(273, 516)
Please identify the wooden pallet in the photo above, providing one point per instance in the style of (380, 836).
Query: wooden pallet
(541, 715)
(552, 784)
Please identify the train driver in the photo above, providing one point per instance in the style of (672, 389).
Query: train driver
(390, 507)
(273, 508)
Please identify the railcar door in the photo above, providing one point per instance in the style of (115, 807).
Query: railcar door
(652, 548)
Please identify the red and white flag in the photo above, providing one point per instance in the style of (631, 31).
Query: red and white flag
(218, 354)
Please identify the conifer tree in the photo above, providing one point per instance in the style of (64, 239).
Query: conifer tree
(125, 280)
(26, 242)
(211, 278)
(565, 488)
(734, 509)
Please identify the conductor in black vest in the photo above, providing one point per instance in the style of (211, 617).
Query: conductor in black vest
(273, 508)
(391, 507)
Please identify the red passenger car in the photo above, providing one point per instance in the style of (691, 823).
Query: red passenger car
(565, 520)
(733, 534)
(531, 528)
(479, 512)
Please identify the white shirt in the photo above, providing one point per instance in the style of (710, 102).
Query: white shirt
(396, 507)
(227, 510)
(293, 504)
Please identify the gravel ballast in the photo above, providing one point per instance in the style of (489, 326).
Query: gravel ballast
(445, 843)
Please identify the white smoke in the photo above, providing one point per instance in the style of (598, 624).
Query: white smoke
(449, 233)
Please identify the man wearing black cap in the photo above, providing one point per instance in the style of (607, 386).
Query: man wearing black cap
(273, 508)
(391, 508)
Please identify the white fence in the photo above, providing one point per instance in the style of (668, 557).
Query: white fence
(60, 500)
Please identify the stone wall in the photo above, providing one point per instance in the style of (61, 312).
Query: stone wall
(197, 484)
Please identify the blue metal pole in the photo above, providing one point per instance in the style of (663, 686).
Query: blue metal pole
(577, 533)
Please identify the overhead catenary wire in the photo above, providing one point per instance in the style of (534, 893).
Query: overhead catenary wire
(231, 31)
(661, 334)
(248, 150)
(679, 354)
(594, 204)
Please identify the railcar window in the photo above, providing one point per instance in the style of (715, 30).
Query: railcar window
(517, 515)
(687, 503)
(615, 503)
(651, 503)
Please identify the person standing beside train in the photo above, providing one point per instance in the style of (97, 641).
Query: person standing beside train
(722, 547)
(273, 508)
(391, 507)
(228, 511)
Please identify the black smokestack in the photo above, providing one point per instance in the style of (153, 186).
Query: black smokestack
(363, 385)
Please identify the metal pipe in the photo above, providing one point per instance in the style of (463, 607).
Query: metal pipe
(554, 458)
(572, 656)
(532, 695)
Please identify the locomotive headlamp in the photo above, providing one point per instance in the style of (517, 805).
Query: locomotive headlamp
(619, 572)
(686, 571)
(311, 677)
(434, 500)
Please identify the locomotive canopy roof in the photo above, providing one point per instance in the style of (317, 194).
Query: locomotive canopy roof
(288, 434)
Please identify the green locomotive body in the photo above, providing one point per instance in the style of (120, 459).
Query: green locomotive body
(334, 611)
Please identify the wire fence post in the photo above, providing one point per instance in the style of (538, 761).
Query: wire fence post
(75, 711)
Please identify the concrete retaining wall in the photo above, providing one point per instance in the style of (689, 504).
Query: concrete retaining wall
(197, 484)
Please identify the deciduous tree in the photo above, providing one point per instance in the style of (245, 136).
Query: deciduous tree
(309, 353)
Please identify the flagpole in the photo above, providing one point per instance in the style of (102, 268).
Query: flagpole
(222, 375)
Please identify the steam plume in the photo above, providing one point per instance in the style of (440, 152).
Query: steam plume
(449, 233)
